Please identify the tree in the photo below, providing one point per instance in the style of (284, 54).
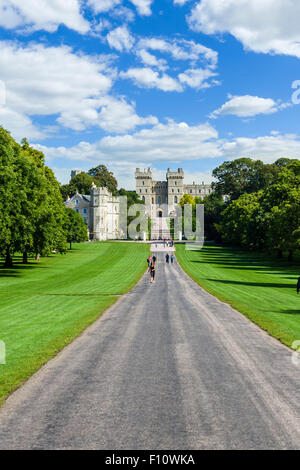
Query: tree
(214, 205)
(104, 178)
(243, 175)
(75, 227)
(187, 199)
(82, 183)
(239, 225)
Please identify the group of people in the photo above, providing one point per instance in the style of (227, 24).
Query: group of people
(151, 260)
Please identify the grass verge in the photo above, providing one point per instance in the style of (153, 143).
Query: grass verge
(45, 305)
(260, 287)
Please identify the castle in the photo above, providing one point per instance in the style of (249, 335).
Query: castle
(159, 195)
(101, 210)
(101, 213)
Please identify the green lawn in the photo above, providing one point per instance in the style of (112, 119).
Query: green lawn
(46, 304)
(260, 287)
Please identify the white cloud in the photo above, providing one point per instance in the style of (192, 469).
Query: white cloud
(162, 142)
(148, 78)
(120, 116)
(248, 106)
(179, 50)
(54, 81)
(172, 143)
(150, 59)
(268, 26)
(102, 6)
(120, 39)
(143, 6)
(196, 78)
(42, 14)
(180, 2)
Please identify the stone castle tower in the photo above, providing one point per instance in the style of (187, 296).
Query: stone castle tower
(159, 194)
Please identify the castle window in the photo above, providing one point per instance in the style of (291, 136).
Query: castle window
(153, 200)
(179, 190)
(140, 190)
(77, 210)
(85, 211)
(172, 190)
(159, 200)
(143, 198)
(143, 183)
(175, 183)
(176, 199)
(191, 191)
(76, 202)
(146, 190)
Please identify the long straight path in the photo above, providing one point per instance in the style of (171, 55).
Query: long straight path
(167, 367)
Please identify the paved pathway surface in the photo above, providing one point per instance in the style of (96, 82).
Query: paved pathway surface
(167, 367)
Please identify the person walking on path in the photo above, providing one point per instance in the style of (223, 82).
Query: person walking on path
(154, 259)
(152, 272)
(149, 259)
(172, 259)
(167, 258)
(298, 286)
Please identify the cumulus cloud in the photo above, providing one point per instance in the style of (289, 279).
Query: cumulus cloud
(102, 6)
(194, 54)
(120, 39)
(180, 2)
(42, 14)
(172, 143)
(54, 81)
(267, 26)
(247, 106)
(148, 78)
(143, 6)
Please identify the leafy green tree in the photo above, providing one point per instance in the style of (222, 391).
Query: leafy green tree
(281, 205)
(187, 199)
(82, 183)
(104, 178)
(243, 175)
(239, 221)
(214, 205)
(75, 227)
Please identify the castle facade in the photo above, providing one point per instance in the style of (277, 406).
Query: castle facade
(161, 194)
(101, 213)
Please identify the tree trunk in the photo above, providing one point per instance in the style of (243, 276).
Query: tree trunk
(279, 254)
(25, 257)
(8, 260)
(290, 257)
(37, 257)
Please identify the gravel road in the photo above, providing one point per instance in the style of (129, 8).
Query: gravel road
(166, 367)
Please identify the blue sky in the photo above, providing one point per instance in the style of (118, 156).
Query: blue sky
(174, 83)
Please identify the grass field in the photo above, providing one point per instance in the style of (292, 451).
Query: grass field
(260, 287)
(45, 305)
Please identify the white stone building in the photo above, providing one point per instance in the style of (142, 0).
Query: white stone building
(101, 213)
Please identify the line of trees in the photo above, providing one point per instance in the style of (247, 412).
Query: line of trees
(33, 217)
(261, 210)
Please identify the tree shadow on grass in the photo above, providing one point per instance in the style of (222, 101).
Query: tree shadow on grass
(291, 312)
(253, 284)
(17, 269)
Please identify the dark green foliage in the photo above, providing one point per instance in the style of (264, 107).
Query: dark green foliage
(75, 227)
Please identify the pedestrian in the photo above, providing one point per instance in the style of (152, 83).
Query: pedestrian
(154, 259)
(152, 272)
(149, 259)
(298, 286)
(172, 259)
(167, 258)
